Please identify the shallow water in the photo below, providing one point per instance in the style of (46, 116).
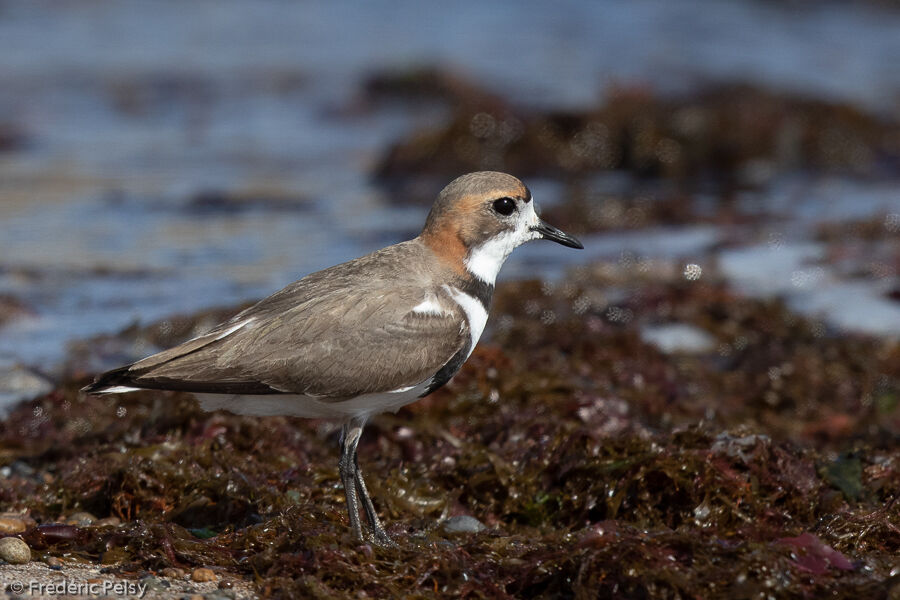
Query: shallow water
(130, 110)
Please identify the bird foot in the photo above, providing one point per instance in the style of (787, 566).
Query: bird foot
(380, 537)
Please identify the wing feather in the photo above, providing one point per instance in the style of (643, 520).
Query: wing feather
(335, 334)
(363, 344)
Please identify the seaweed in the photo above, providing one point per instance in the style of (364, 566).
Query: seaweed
(600, 465)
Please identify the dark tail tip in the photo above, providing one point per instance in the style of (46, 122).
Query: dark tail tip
(109, 379)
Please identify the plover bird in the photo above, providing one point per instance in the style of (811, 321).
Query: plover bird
(363, 337)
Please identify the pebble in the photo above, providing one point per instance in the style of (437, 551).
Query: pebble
(53, 562)
(108, 522)
(11, 525)
(203, 574)
(24, 517)
(14, 551)
(154, 584)
(172, 573)
(20, 468)
(463, 524)
(81, 519)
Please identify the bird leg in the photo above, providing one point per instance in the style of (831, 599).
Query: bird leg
(355, 487)
(381, 536)
(350, 433)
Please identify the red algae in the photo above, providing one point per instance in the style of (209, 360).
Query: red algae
(598, 464)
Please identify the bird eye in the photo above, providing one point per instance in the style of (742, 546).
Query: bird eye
(505, 206)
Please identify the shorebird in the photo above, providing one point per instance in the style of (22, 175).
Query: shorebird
(363, 337)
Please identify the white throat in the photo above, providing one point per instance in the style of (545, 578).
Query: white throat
(485, 260)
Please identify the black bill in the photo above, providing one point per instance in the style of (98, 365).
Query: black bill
(549, 232)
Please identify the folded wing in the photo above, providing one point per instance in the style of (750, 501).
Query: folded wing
(316, 340)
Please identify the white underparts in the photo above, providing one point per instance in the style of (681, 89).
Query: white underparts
(485, 260)
(476, 314)
(313, 407)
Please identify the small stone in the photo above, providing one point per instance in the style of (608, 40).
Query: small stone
(203, 574)
(463, 524)
(226, 585)
(11, 525)
(14, 551)
(81, 519)
(108, 522)
(155, 584)
(22, 469)
(172, 573)
(24, 517)
(53, 562)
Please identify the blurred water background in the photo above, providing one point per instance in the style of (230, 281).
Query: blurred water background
(165, 157)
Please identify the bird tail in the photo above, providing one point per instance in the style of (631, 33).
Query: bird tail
(116, 381)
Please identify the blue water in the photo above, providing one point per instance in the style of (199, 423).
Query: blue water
(129, 109)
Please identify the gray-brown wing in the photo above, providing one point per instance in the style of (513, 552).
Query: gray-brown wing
(334, 343)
